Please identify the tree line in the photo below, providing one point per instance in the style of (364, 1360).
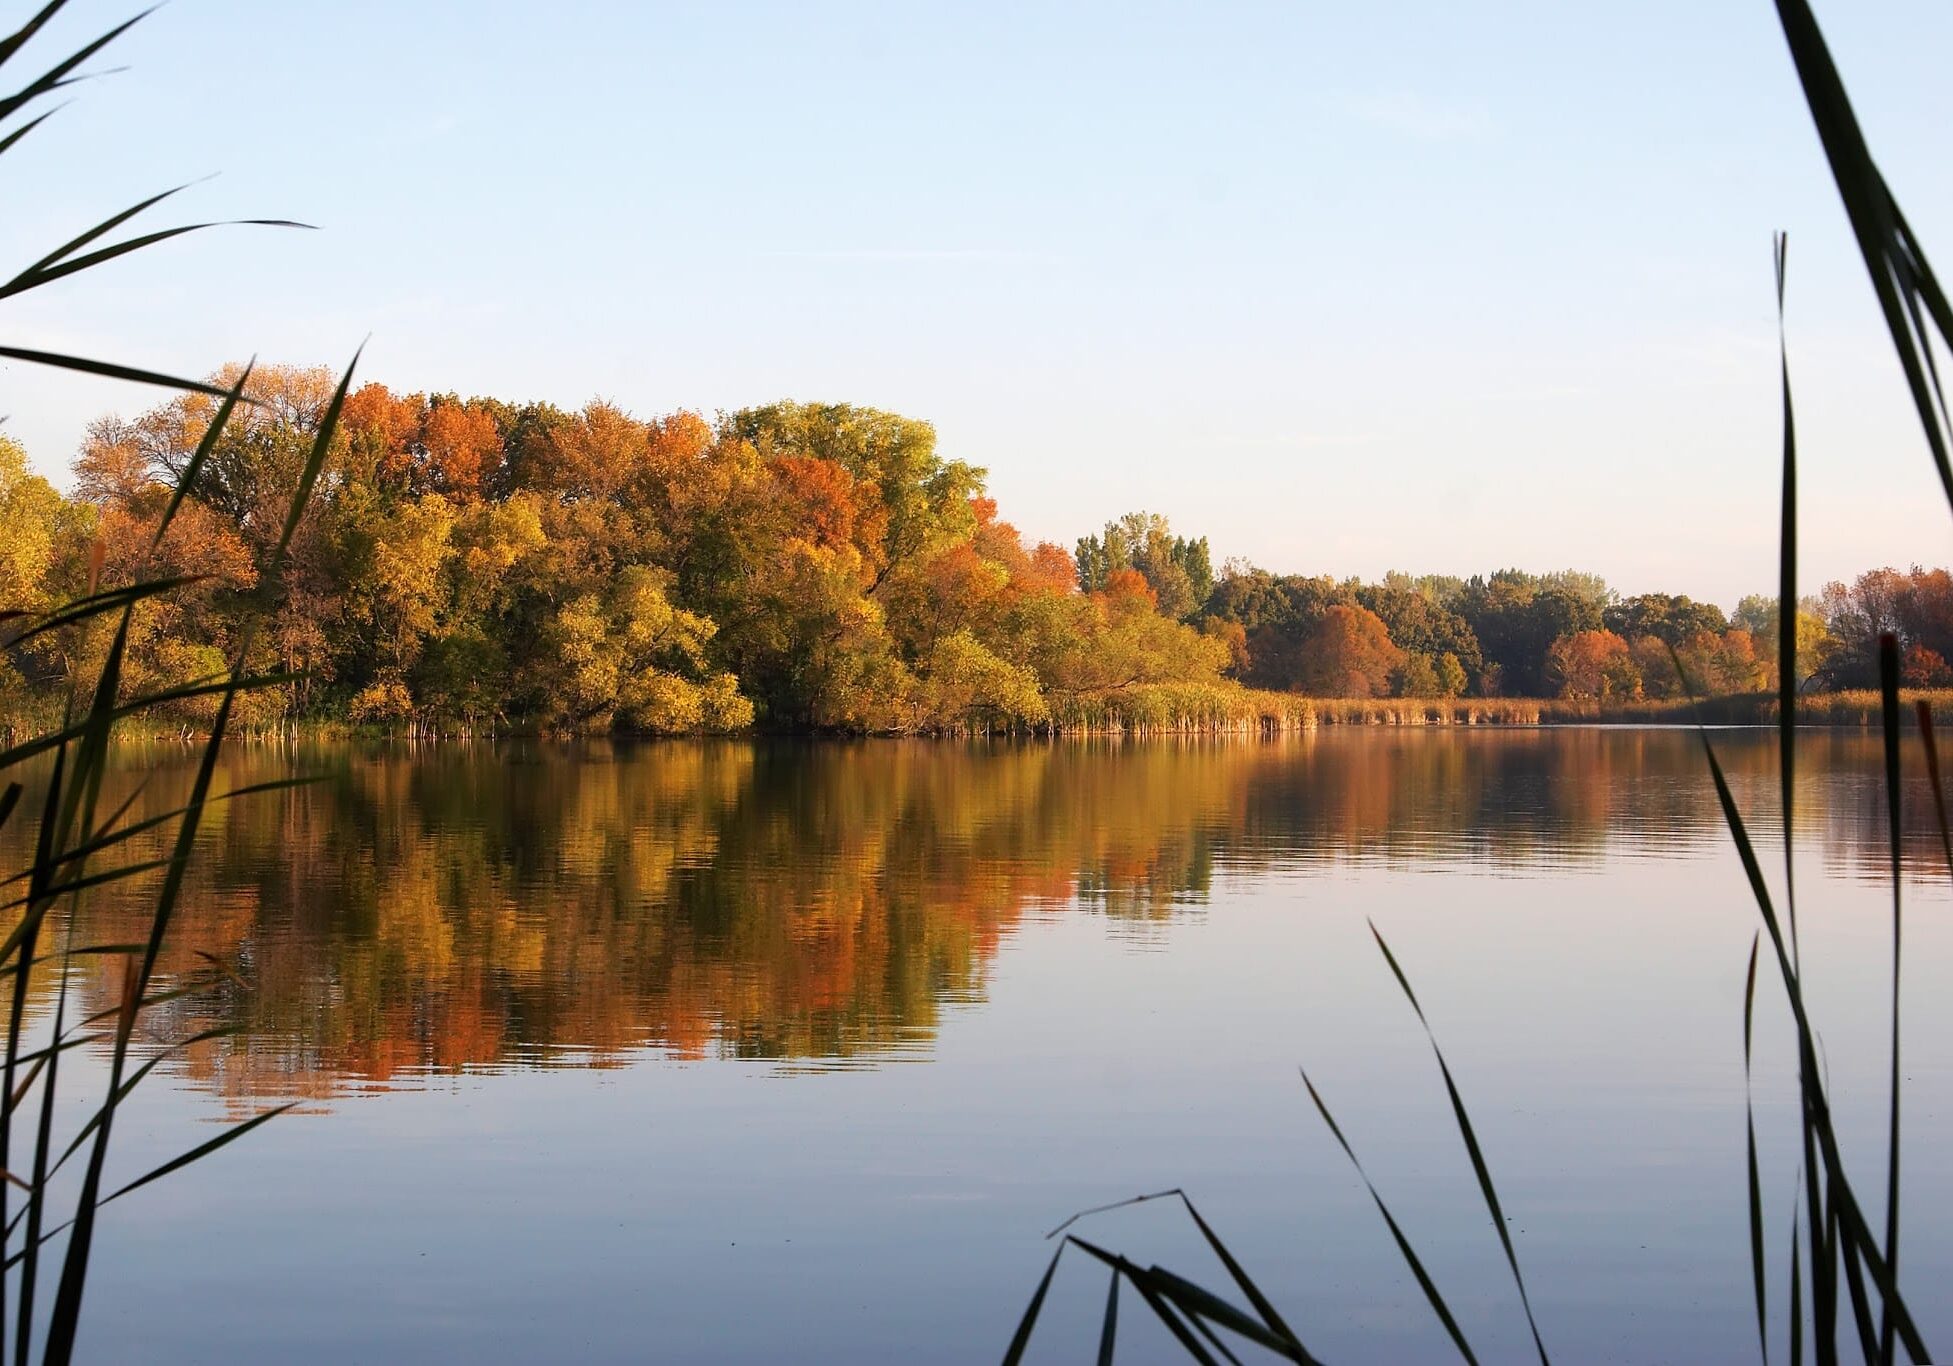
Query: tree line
(473, 564)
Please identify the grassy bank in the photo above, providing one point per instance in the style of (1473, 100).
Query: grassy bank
(1204, 709)
(1858, 708)
(1169, 709)
(1172, 709)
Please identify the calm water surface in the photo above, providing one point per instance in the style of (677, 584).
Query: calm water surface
(733, 1052)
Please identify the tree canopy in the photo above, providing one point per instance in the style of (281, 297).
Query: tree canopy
(472, 563)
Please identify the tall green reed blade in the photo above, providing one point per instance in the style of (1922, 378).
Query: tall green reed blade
(1861, 1305)
(148, 701)
(314, 463)
(150, 1064)
(1424, 1281)
(1206, 1308)
(62, 261)
(1908, 293)
(1019, 1340)
(62, 72)
(13, 41)
(1787, 609)
(73, 807)
(75, 244)
(64, 1318)
(43, 274)
(26, 935)
(1261, 1302)
(1109, 1330)
(194, 467)
(202, 1150)
(43, 1144)
(1479, 1168)
(69, 835)
(7, 142)
(1183, 1306)
(1796, 1290)
(176, 1163)
(110, 370)
(109, 839)
(1931, 746)
(1888, 687)
(1164, 1313)
(82, 882)
(1271, 1322)
(1148, 1288)
(1756, 1186)
(1824, 1285)
(1840, 1206)
(94, 605)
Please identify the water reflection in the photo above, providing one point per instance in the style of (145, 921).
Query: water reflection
(429, 911)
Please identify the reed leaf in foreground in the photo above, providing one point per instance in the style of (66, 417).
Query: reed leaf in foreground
(1109, 1329)
(1888, 677)
(1424, 1281)
(1824, 1287)
(1193, 1314)
(1787, 608)
(134, 374)
(1839, 1206)
(1931, 746)
(1021, 1339)
(1479, 1169)
(74, 848)
(64, 1317)
(1908, 293)
(1266, 1326)
(1757, 1268)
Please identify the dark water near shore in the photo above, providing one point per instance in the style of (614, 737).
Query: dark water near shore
(740, 1052)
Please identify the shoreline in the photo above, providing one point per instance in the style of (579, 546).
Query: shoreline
(1252, 715)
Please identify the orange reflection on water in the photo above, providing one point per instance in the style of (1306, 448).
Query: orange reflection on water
(437, 910)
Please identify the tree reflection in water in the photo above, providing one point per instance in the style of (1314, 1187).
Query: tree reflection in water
(439, 909)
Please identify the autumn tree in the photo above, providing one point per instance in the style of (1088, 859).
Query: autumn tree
(628, 653)
(1916, 606)
(253, 469)
(30, 521)
(1924, 668)
(1349, 654)
(924, 498)
(1517, 616)
(1593, 665)
(1416, 676)
(1179, 570)
(1421, 624)
(1758, 614)
(964, 686)
(1670, 617)
(1277, 614)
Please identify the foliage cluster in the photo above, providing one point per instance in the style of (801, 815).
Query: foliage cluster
(1564, 635)
(471, 565)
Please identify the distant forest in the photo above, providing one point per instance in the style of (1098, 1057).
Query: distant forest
(475, 565)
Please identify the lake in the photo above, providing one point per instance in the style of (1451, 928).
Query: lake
(764, 1051)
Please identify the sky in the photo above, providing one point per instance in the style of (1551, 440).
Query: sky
(1345, 288)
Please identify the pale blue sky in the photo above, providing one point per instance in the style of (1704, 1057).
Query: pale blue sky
(1344, 287)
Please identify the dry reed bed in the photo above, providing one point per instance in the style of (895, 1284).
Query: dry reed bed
(1175, 709)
